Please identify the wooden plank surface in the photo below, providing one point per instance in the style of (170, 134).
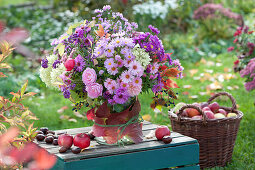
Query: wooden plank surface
(143, 160)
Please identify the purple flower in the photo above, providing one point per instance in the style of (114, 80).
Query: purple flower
(107, 95)
(106, 7)
(79, 63)
(121, 96)
(66, 92)
(88, 41)
(98, 11)
(56, 62)
(250, 85)
(72, 86)
(153, 29)
(44, 63)
(157, 87)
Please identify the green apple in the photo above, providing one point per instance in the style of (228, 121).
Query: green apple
(219, 116)
(232, 115)
(178, 107)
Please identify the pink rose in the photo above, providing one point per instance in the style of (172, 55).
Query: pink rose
(89, 76)
(94, 90)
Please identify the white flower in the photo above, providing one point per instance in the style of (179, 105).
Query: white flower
(141, 56)
(55, 73)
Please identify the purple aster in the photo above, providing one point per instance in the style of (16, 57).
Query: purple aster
(250, 85)
(106, 7)
(120, 63)
(44, 63)
(109, 51)
(88, 41)
(153, 29)
(79, 32)
(56, 62)
(109, 63)
(66, 92)
(72, 86)
(101, 72)
(107, 95)
(98, 11)
(79, 63)
(121, 96)
(157, 87)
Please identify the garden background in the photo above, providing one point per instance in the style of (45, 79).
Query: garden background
(200, 45)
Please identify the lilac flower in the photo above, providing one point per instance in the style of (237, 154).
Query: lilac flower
(153, 29)
(109, 51)
(113, 69)
(108, 63)
(106, 7)
(88, 41)
(107, 95)
(56, 62)
(154, 68)
(135, 67)
(126, 77)
(72, 86)
(120, 63)
(79, 63)
(65, 91)
(101, 72)
(44, 63)
(98, 11)
(121, 96)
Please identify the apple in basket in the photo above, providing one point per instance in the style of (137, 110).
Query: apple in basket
(209, 114)
(222, 111)
(192, 112)
(178, 107)
(219, 116)
(232, 115)
(214, 107)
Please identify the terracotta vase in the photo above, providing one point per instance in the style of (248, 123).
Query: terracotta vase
(114, 127)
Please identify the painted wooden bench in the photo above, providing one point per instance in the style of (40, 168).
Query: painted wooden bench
(181, 154)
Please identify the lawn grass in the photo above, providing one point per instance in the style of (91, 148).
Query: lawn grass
(46, 107)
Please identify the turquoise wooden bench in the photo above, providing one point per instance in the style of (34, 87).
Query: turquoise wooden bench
(181, 154)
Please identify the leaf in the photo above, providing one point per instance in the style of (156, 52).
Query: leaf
(29, 94)
(193, 71)
(25, 114)
(23, 88)
(172, 72)
(72, 120)
(4, 65)
(61, 50)
(78, 114)
(15, 94)
(101, 32)
(91, 114)
(91, 24)
(70, 29)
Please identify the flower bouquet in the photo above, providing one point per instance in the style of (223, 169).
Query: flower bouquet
(245, 64)
(104, 64)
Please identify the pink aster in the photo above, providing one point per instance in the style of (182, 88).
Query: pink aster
(113, 69)
(133, 90)
(127, 62)
(126, 77)
(129, 56)
(109, 63)
(109, 51)
(108, 82)
(112, 87)
(154, 68)
(125, 51)
(135, 67)
(124, 85)
(120, 63)
(137, 81)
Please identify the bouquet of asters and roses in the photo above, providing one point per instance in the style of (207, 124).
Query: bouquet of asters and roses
(105, 64)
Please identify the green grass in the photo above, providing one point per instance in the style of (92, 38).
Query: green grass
(244, 151)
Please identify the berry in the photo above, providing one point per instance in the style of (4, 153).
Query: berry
(76, 150)
(162, 131)
(44, 130)
(50, 132)
(55, 142)
(63, 149)
(167, 139)
(91, 136)
(49, 139)
(40, 137)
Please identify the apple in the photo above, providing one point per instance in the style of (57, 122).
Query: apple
(219, 116)
(178, 107)
(232, 115)
(214, 107)
(65, 140)
(199, 117)
(196, 104)
(222, 111)
(209, 114)
(206, 109)
(204, 104)
(162, 131)
(81, 140)
(192, 112)
(69, 64)
(184, 113)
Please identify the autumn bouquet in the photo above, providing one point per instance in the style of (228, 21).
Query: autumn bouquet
(105, 64)
(244, 47)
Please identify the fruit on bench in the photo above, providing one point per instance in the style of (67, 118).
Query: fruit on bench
(76, 150)
(167, 139)
(50, 132)
(214, 107)
(222, 111)
(39, 132)
(44, 130)
(63, 149)
(232, 115)
(178, 107)
(40, 137)
(209, 114)
(49, 139)
(65, 140)
(55, 142)
(162, 131)
(219, 116)
(81, 140)
(192, 112)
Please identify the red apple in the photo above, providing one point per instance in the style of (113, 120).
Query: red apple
(65, 140)
(214, 107)
(206, 109)
(196, 104)
(69, 64)
(162, 131)
(81, 140)
(192, 112)
(204, 104)
(223, 112)
(199, 117)
(209, 114)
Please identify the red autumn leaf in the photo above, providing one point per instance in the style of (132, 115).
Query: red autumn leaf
(2, 26)
(170, 84)
(172, 72)
(25, 154)
(103, 111)
(8, 136)
(91, 114)
(44, 160)
(162, 68)
(134, 132)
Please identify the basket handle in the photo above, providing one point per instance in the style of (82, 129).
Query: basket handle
(234, 107)
(191, 106)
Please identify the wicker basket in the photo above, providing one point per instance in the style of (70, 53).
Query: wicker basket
(216, 137)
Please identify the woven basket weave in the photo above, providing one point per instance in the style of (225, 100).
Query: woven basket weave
(216, 137)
